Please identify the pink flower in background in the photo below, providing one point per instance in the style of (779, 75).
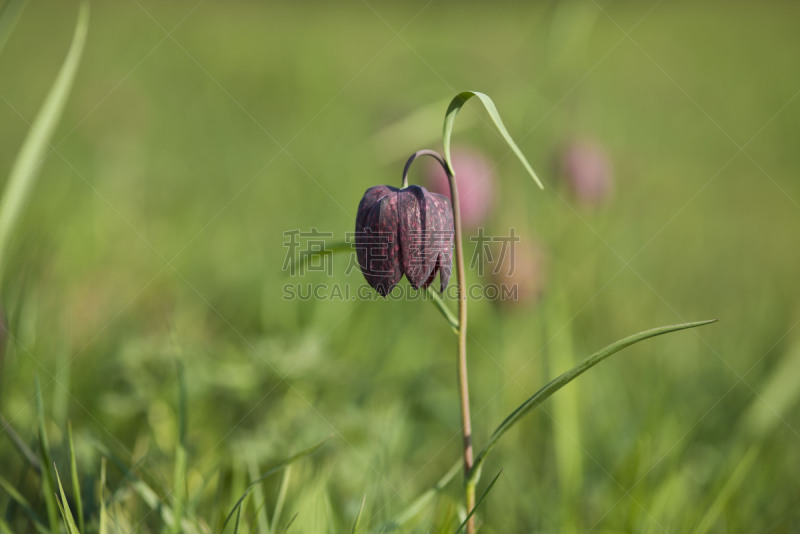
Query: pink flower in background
(476, 184)
(586, 168)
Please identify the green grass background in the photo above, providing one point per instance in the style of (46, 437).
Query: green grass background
(196, 134)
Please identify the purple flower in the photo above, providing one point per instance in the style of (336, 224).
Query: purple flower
(404, 231)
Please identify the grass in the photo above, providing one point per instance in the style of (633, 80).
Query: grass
(153, 241)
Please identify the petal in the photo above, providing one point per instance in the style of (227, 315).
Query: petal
(376, 242)
(417, 259)
(440, 210)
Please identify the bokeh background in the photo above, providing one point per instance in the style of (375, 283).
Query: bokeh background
(198, 133)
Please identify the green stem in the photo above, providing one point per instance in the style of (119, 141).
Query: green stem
(463, 383)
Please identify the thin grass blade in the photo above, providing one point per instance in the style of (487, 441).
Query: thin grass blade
(103, 526)
(26, 166)
(289, 524)
(17, 497)
(48, 480)
(565, 378)
(76, 485)
(446, 312)
(63, 505)
(422, 501)
(479, 501)
(179, 473)
(276, 513)
(9, 15)
(449, 119)
(280, 466)
(357, 523)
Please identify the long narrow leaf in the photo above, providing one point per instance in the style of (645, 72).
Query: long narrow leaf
(275, 469)
(179, 473)
(48, 479)
(420, 502)
(567, 377)
(9, 15)
(442, 307)
(28, 162)
(449, 119)
(480, 500)
(17, 497)
(103, 527)
(357, 523)
(63, 505)
(76, 486)
(276, 513)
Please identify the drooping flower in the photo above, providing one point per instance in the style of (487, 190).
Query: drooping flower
(404, 231)
(476, 184)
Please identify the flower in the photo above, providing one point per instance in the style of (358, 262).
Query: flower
(476, 184)
(404, 231)
(587, 171)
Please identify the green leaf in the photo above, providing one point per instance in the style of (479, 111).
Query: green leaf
(179, 473)
(17, 497)
(9, 16)
(442, 307)
(565, 378)
(422, 501)
(297, 265)
(103, 527)
(76, 486)
(276, 513)
(357, 523)
(449, 119)
(31, 155)
(275, 469)
(63, 506)
(48, 480)
(480, 500)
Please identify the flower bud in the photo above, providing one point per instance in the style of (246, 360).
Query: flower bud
(404, 231)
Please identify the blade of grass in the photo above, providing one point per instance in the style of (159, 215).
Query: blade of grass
(479, 501)
(4, 528)
(262, 521)
(567, 377)
(289, 524)
(449, 119)
(48, 481)
(63, 506)
(298, 264)
(76, 486)
(9, 15)
(17, 497)
(179, 474)
(103, 522)
(30, 157)
(357, 523)
(420, 502)
(276, 513)
(442, 307)
(723, 496)
(281, 465)
(20, 444)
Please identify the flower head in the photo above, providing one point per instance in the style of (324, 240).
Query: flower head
(404, 231)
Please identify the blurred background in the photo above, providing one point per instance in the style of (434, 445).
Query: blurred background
(201, 135)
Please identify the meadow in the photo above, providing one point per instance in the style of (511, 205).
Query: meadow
(148, 287)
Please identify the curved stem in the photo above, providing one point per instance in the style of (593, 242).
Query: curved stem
(463, 384)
